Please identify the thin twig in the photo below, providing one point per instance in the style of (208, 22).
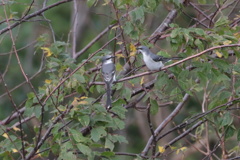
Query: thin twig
(94, 41)
(154, 142)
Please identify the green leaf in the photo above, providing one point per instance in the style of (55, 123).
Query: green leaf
(37, 111)
(162, 80)
(137, 14)
(28, 111)
(55, 149)
(199, 31)
(29, 103)
(227, 120)
(154, 107)
(100, 88)
(117, 124)
(183, 74)
(80, 78)
(102, 118)
(225, 95)
(84, 149)
(223, 20)
(90, 3)
(67, 155)
(229, 132)
(119, 110)
(238, 135)
(97, 133)
(183, 84)
(119, 67)
(128, 28)
(30, 95)
(66, 152)
(109, 144)
(107, 154)
(78, 137)
(203, 77)
(82, 89)
(120, 138)
(99, 108)
(175, 33)
(127, 92)
(215, 102)
(221, 64)
(163, 53)
(199, 44)
(223, 78)
(84, 120)
(176, 93)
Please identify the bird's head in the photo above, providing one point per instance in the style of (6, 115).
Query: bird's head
(107, 57)
(143, 49)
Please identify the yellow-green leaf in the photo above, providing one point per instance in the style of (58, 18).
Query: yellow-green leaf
(119, 67)
(227, 42)
(16, 129)
(132, 48)
(47, 51)
(161, 149)
(119, 56)
(5, 135)
(83, 102)
(83, 97)
(181, 150)
(218, 54)
(142, 80)
(120, 42)
(116, 27)
(14, 150)
(48, 81)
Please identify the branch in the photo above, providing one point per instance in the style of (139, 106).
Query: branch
(47, 133)
(12, 117)
(23, 19)
(164, 123)
(94, 41)
(164, 25)
(75, 25)
(181, 136)
(130, 154)
(152, 131)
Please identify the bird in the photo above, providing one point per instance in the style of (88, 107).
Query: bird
(153, 62)
(108, 74)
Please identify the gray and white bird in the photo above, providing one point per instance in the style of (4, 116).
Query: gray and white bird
(108, 73)
(153, 62)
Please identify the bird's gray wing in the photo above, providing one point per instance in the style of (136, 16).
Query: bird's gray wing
(158, 58)
(108, 72)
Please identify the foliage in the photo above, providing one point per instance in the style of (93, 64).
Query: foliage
(59, 108)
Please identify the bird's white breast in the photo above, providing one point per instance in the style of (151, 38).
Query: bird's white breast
(150, 63)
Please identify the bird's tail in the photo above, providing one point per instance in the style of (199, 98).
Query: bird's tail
(172, 58)
(109, 101)
(176, 58)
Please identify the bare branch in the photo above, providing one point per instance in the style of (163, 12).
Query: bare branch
(32, 15)
(164, 123)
